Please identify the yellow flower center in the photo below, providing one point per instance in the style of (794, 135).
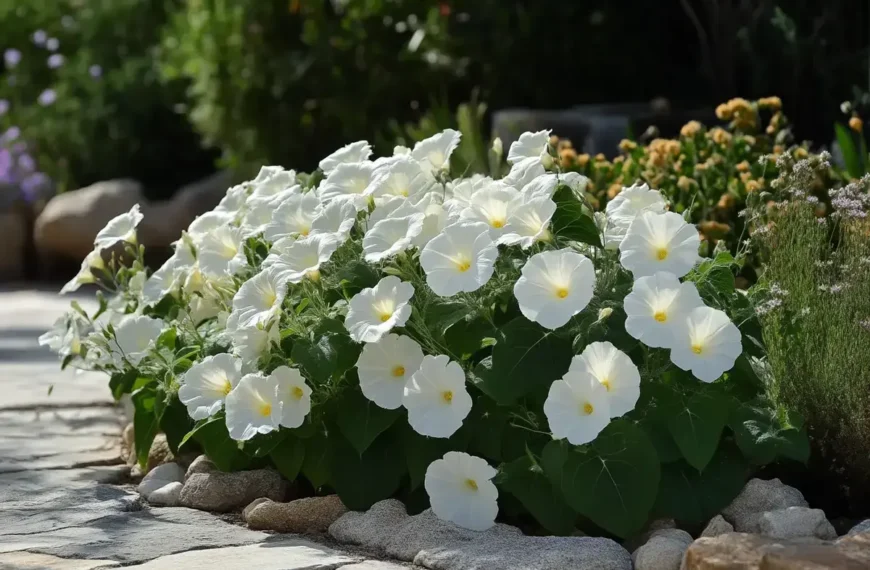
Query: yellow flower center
(462, 263)
(385, 317)
(313, 275)
(562, 292)
(399, 371)
(297, 392)
(660, 316)
(697, 348)
(227, 387)
(471, 484)
(498, 224)
(265, 409)
(588, 409)
(269, 298)
(606, 383)
(303, 231)
(403, 192)
(447, 396)
(662, 253)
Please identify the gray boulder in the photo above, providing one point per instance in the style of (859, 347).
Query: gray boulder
(863, 526)
(158, 477)
(167, 495)
(663, 551)
(222, 492)
(760, 496)
(717, 526)
(796, 522)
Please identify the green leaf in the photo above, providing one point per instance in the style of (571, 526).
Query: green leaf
(693, 498)
(315, 466)
(215, 440)
(361, 480)
(762, 436)
(854, 162)
(329, 356)
(361, 421)
(167, 339)
(442, 314)
(288, 457)
(66, 360)
(420, 451)
(356, 276)
(572, 219)
(262, 444)
(613, 481)
(487, 424)
(697, 428)
(467, 336)
(146, 422)
(527, 358)
(122, 383)
(526, 481)
(175, 423)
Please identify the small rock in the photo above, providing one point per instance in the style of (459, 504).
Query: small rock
(676, 534)
(759, 496)
(661, 552)
(660, 524)
(159, 477)
(128, 445)
(795, 522)
(717, 526)
(13, 236)
(863, 526)
(221, 492)
(303, 516)
(247, 510)
(201, 464)
(159, 453)
(167, 495)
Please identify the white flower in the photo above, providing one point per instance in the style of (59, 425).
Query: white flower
(65, 336)
(555, 286)
(400, 150)
(208, 222)
(205, 386)
(250, 343)
(460, 192)
(461, 490)
(391, 236)
(615, 371)
(461, 258)
(656, 305)
(546, 184)
(135, 336)
(436, 398)
(435, 219)
(222, 252)
(577, 408)
(303, 257)
(374, 311)
(348, 182)
(234, 201)
(169, 277)
(202, 309)
(524, 172)
(385, 366)
(336, 218)
(258, 214)
(659, 242)
(625, 207)
(293, 217)
(94, 260)
(434, 152)
(259, 299)
(404, 177)
(707, 343)
(528, 220)
(253, 407)
(359, 151)
(119, 228)
(529, 145)
(490, 206)
(293, 394)
(272, 180)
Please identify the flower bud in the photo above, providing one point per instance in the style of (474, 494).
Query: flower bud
(604, 313)
(497, 146)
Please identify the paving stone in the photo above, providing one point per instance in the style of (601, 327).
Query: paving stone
(376, 565)
(283, 554)
(29, 560)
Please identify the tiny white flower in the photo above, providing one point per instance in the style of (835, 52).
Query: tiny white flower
(374, 311)
(529, 145)
(272, 180)
(436, 397)
(461, 258)
(555, 286)
(577, 408)
(404, 178)
(222, 252)
(358, 151)
(207, 223)
(656, 305)
(490, 206)
(631, 202)
(434, 152)
(259, 299)
(350, 182)
(253, 407)
(335, 218)
(294, 217)
(615, 371)
(205, 386)
(659, 242)
(385, 366)
(707, 343)
(135, 336)
(391, 236)
(303, 257)
(293, 394)
(461, 490)
(94, 260)
(528, 220)
(120, 228)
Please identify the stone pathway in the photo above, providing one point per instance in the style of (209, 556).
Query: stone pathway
(63, 501)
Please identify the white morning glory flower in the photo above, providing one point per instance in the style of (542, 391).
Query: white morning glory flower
(94, 260)
(303, 257)
(335, 218)
(460, 193)
(435, 219)
(234, 201)
(577, 408)
(293, 217)
(528, 220)
(461, 490)
(374, 311)
(65, 336)
(293, 394)
(615, 371)
(659, 242)
(490, 206)
(258, 214)
(253, 407)
(391, 236)
(250, 343)
(205, 386)
(207, 223)
(222, 251)
(170, 276)
(529, 145)
(707, 343)
(385, 366)
(436, 398)
(545, 185)
(656, 305)
(524, 172)
(461, 258)
(404, 177)
(259, 299)
(620, 212)
(358, 151)
(350, 182)
(272, 180)
(120, 228)
(555, 286)
(135, 336)
(434, 152)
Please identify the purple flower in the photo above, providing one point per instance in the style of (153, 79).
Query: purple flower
(52, 44)
(96, 71)
(26, 163)
(32, 184)
(10, 135)
(5, 166)
(4, 106)
(39, 37)
(47, 97)
(55, 60)
(12, 57)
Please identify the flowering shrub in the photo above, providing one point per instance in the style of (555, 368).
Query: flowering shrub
(379, 328)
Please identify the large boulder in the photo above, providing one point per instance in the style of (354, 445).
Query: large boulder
(13, 236)
(796, 522)
(757, 497)
(222, 492)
